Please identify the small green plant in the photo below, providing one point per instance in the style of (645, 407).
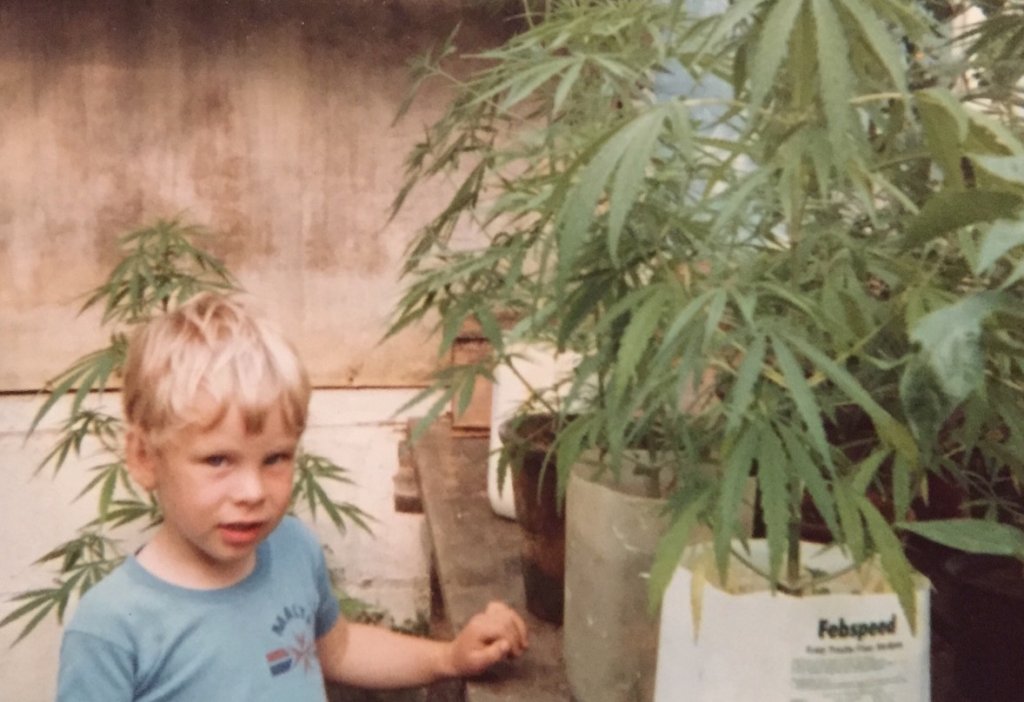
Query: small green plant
(162, 266)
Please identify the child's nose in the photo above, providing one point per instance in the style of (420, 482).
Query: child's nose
(249, 486)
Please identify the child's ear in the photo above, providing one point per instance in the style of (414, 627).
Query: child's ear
(140, 458)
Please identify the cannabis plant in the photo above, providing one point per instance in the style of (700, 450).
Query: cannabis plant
(161, 266)
(784, 235)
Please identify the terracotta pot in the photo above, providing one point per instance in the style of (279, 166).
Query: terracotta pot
(535, 487)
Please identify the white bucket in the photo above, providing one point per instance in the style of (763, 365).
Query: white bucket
(541, 367)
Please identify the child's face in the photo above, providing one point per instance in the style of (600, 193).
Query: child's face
(222, 490)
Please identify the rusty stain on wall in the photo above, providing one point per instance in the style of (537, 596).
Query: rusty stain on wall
(267, 122)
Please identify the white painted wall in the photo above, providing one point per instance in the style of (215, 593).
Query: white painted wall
(358, 429)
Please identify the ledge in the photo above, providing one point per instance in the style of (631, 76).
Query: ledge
(476, 560)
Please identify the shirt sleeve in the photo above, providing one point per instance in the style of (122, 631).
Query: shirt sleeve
(327, 609)
(93, 670)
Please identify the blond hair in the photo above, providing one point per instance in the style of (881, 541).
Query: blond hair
(211, 352)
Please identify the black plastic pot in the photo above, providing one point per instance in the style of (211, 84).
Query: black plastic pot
(983, 618)
(977, 617)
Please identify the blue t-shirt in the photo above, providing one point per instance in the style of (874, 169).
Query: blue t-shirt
(136, 637)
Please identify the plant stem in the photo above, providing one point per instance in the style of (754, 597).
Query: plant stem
(797, 587)
(534, 395)
(793, 560)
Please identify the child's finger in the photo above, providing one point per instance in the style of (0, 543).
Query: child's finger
(497, 651)
(515, 627)
(490, 654)
(512, 634)
(522, 637)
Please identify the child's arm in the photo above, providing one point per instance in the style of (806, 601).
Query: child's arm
(374, 657)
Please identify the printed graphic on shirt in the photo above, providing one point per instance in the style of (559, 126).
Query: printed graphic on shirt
(280, 661)
(301, 653)
(295, 623)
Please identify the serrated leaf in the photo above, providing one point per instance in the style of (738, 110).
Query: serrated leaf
(1007, 168)
(876, 35)
(631, 174)
(867, 470)
(742, 393)
(55, 395)
(808, 471)
(850, 520)
(775, 499)
(43, 608)
(715, 313)
(671, 545)
(897, 568)
(107, 493)
(901, 486)
(526, 82)
(722, 26)
(886, 425)
(989, 135)
(950, 344)
(637, 339)
(738, 462)
(803, 397)
(945, 125)
(948, 211)
(1015, 277)
(624, 152)
(679, 325)
(581, 302)
(775, 33)
(566, 84)
(468, 386)
(971, 535)
(568, 447)
(835, 75)
(577, 211)
(999, 238)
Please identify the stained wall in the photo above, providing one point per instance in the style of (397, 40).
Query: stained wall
(270, 122)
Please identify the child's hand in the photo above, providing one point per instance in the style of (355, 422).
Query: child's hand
(490, 636)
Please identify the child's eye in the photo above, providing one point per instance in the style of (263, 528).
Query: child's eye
(277, 458)
(216, 460)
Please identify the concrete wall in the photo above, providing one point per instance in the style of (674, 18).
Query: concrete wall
(358, 429)
(268, 121)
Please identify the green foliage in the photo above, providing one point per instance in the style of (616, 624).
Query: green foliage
(311, 474)
(811, 278)
(161, 266)
(972, 535)
(84, 561)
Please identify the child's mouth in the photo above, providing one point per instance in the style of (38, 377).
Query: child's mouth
(241, 533)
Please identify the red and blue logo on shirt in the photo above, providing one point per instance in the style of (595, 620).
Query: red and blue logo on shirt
(280, 661)
(302, 654)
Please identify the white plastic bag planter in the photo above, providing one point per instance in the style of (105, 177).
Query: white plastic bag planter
(610, 637)
(843, 646)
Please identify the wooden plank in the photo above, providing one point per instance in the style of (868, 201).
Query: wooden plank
(476, 556)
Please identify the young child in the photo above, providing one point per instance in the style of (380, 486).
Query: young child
(230, 599)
